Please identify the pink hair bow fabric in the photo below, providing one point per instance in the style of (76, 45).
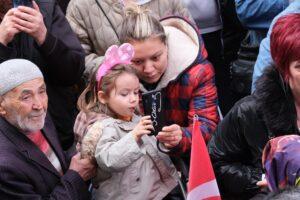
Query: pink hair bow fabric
(113, 56)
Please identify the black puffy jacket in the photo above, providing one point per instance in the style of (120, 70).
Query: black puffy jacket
(236, 147)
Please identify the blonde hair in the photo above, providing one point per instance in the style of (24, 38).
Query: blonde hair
(88, 100)
(139, 24)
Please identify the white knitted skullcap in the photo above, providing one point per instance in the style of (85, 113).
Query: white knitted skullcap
(14, 72)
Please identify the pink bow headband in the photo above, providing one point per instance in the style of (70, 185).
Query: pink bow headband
(115, 55)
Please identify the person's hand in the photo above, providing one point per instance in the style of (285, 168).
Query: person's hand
(262, 184)
(30, 21)
(170, 136)
(8, 30)
(142, 128)
(85, 167)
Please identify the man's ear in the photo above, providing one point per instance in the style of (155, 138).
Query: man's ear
(2, 110)
(102, 97)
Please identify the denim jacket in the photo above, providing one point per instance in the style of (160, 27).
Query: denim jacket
(258, 14)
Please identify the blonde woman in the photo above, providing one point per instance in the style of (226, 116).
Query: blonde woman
(170, 57)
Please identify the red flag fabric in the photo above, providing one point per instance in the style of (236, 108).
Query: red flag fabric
(202, 182)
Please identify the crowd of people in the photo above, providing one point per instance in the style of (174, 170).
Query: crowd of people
(94, 62)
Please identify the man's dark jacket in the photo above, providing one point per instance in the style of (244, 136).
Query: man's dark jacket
(26, 173)
(236, 147)
(61, 59)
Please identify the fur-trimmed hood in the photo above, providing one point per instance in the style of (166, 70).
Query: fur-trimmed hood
(276, 103)
(185, 49)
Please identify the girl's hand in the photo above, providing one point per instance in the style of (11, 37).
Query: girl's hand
(170, 136)
(142, 128)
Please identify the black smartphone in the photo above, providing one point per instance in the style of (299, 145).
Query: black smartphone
(154, 106)
(17, 3)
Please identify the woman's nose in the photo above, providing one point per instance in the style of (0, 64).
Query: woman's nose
(148, 67)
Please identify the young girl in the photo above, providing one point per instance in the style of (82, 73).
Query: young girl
(127, 157)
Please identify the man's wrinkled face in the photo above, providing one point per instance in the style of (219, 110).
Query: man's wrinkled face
(25, 106)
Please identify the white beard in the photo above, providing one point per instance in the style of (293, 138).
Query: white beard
(27, 124)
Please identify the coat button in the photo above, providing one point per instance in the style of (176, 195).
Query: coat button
(137, 179)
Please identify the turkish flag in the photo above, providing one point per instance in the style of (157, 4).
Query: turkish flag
(202, 181)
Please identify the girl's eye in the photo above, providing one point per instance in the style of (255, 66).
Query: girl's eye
(124, 94)
(155, 58)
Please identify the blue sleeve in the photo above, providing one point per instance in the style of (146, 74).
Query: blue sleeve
(258, 14)
(264, 58)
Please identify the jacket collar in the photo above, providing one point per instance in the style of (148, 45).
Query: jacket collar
(30, 150)
(184, 49)
(276, 104)
(124, 125)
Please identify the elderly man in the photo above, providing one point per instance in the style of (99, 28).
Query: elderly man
(32, 162)
(40, 33)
